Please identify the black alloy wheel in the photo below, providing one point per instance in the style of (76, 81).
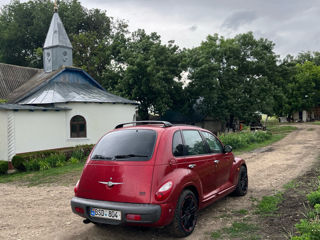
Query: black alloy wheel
(188, 213)
(242, 186)
(185, 217)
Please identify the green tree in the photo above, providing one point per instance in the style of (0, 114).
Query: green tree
(94, 35)
(233, 78)
(148, 73)
(307, 57)
(304, 91)
(300, 84)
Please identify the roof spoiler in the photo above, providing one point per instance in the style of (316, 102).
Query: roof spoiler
(164, 123)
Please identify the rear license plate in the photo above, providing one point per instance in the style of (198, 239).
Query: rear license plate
(105, 213)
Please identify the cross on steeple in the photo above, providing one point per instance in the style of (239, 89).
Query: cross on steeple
(55, 6)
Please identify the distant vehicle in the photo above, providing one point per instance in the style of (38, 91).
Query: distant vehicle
(156, 174)
(256, 124)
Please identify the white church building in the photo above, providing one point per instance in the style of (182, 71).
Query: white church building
(56, 107)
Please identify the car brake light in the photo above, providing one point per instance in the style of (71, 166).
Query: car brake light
(133, 217)
(164, 191)
(79, 210)
(76, 187)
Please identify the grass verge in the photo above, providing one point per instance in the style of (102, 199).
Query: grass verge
(253, 146)
(295, 214)
(238, 230)
(66, 174)
(278, 133)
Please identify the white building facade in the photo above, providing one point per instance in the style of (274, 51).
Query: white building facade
(36, 129)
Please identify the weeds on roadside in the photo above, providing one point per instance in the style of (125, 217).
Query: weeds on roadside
(241, 230)
(314, 198)
(269, 204)
(241, 212)
(309, 228)
(290, 185)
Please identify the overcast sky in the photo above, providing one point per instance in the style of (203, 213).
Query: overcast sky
(293, 25)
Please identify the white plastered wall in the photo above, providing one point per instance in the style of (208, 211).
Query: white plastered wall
(42, 130)
(39, 130)
(100, 118)
(3, 135)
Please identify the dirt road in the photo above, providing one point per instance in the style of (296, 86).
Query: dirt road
(44, 212)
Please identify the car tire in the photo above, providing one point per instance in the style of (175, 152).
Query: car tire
(185, 215)
(242, 185)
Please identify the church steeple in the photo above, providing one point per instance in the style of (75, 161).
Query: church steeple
(57, 49)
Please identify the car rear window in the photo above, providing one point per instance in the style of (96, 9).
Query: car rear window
(177, 144)
(126, 145)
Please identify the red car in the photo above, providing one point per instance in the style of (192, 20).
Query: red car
(156, 174)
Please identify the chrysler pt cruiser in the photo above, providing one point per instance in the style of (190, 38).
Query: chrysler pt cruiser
(154, 173)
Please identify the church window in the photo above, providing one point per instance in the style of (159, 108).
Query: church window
(78, 127)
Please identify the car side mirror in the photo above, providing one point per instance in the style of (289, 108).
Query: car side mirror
(227, 149)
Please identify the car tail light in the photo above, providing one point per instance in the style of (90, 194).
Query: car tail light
(164, 191)
(133, 217)
(79, 210)
(76, 187)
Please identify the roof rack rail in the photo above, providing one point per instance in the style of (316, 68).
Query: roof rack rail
(165, 123)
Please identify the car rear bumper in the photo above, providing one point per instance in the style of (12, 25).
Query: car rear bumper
(150, 213)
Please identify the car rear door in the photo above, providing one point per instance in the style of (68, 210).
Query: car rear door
(192, 154)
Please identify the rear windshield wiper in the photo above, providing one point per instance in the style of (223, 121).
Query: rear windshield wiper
(97, 156)
(128, 156)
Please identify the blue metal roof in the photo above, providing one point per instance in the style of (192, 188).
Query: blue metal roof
(70, 85)
(61, 92)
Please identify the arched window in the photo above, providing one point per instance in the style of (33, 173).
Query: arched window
(78, 127)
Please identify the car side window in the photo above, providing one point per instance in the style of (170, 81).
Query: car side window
(214, 144)
(194, 144)
(177, 145)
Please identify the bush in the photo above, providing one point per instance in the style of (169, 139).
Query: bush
(18, 163)
(60, 163)
(43, 160)
(78, 153)
(308, 230)
(3, 167)
(243, 139)
(44, 165)
(55, 160)
(314, 198)
(33, 165)
(317, 208)
(73, 160)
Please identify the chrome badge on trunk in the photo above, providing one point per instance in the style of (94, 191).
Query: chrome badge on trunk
(111, 184)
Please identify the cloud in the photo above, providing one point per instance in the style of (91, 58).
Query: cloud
(239, 18)
(291, 24)
(193, 28)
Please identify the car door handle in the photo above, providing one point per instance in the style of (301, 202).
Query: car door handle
(216, 161)
(192, 165)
